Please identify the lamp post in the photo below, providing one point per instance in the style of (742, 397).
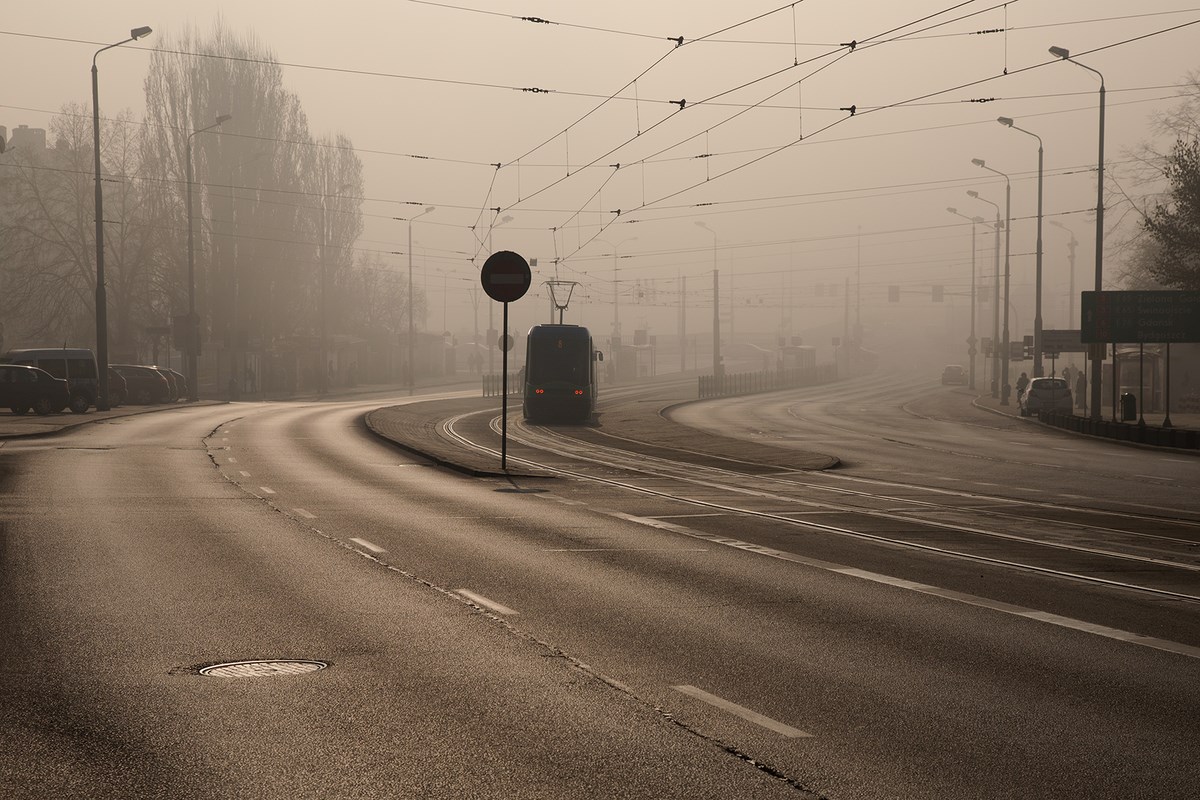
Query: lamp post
(979, 162)
(1096, 357)
(101, 295)
(492, 306)
(718, 371)
(971, 341)
(1071, 245)
(412, 366)
(1037, 308)
(616, 326)
(193, 324)
(996, 299)
(323, 368)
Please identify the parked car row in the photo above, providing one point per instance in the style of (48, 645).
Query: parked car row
(150, 385)
(52, 379)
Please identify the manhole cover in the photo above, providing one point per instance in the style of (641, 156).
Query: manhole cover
(263, 669)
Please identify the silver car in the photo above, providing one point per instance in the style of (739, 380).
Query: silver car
(1045, 394)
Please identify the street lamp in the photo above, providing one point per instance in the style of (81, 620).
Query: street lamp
(996, 299)
(412, 367)
(979, 162)
(1097, 356)
(1071, 245)
(193, 324)
(616, 329)
(101, 296)
(491, 349)
(323, 368)
(971, 341)
(1037, 312)
(718, 371)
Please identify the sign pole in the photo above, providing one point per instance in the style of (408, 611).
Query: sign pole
(504, 398)
(505, 277)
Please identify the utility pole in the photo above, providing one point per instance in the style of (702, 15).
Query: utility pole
(718, 369)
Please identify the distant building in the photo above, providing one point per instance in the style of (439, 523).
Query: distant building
(26, 138)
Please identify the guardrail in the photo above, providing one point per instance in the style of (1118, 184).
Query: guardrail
(1154, 435)
(493, 384)
(766, 380)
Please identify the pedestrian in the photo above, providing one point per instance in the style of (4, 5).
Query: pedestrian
(1080, 389)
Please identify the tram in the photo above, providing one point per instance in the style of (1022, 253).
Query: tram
(560, 374)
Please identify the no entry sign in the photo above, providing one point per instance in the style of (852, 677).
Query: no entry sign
(505, 276)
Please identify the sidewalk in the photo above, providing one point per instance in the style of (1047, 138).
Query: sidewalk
(31, 425)
(1151, 435)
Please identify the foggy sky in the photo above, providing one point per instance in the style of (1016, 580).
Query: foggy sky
(782, 225)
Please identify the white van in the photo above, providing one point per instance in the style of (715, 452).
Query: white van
(76, 364)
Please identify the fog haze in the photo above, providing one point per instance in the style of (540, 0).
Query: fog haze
(735, 150)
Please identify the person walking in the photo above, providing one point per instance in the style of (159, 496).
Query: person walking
(1080, 389)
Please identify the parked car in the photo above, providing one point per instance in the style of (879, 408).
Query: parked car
(953, 373)
(118, 390)
(146, 385)
(172, 382)
(23, 388)
(76, 364)
(1045, 394)
(181, 382)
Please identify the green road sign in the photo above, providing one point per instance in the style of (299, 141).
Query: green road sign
(1145, 317)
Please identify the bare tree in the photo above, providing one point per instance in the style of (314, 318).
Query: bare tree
(47, 234)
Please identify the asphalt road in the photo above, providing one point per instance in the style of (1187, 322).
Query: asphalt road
(493, 637)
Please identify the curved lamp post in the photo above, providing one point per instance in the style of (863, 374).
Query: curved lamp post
(718, 369)
(412, 367)
(1065, 55)
(193, 329)
(1037, 312)
(996, 298)
(101, 295)
(971, 341)
(979, 162)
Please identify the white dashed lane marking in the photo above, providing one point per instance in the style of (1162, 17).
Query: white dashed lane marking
(741, 711)
(305, 514)
(266, 490)
(244, 474)
(363, 543)
(492, 605)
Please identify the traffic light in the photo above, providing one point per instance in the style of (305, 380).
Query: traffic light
(893, 294)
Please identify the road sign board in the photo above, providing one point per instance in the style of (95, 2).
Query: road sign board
(1016, 351)
(505, 342)
(1148, 317)
(505, 276)
(1062, 341)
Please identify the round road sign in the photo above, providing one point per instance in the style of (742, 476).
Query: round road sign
(505, 343)
(505, 276)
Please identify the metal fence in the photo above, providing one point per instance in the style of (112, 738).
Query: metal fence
(766, 380)
(493, 384)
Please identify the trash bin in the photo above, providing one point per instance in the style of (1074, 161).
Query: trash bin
(1128, 407)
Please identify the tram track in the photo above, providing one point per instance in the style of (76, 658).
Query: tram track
(1089, 551)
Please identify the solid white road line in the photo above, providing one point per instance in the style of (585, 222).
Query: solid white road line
(363, 543)
(743, 712)
(480, 600)
(266, 490)
(305, 514)
(936, 591)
